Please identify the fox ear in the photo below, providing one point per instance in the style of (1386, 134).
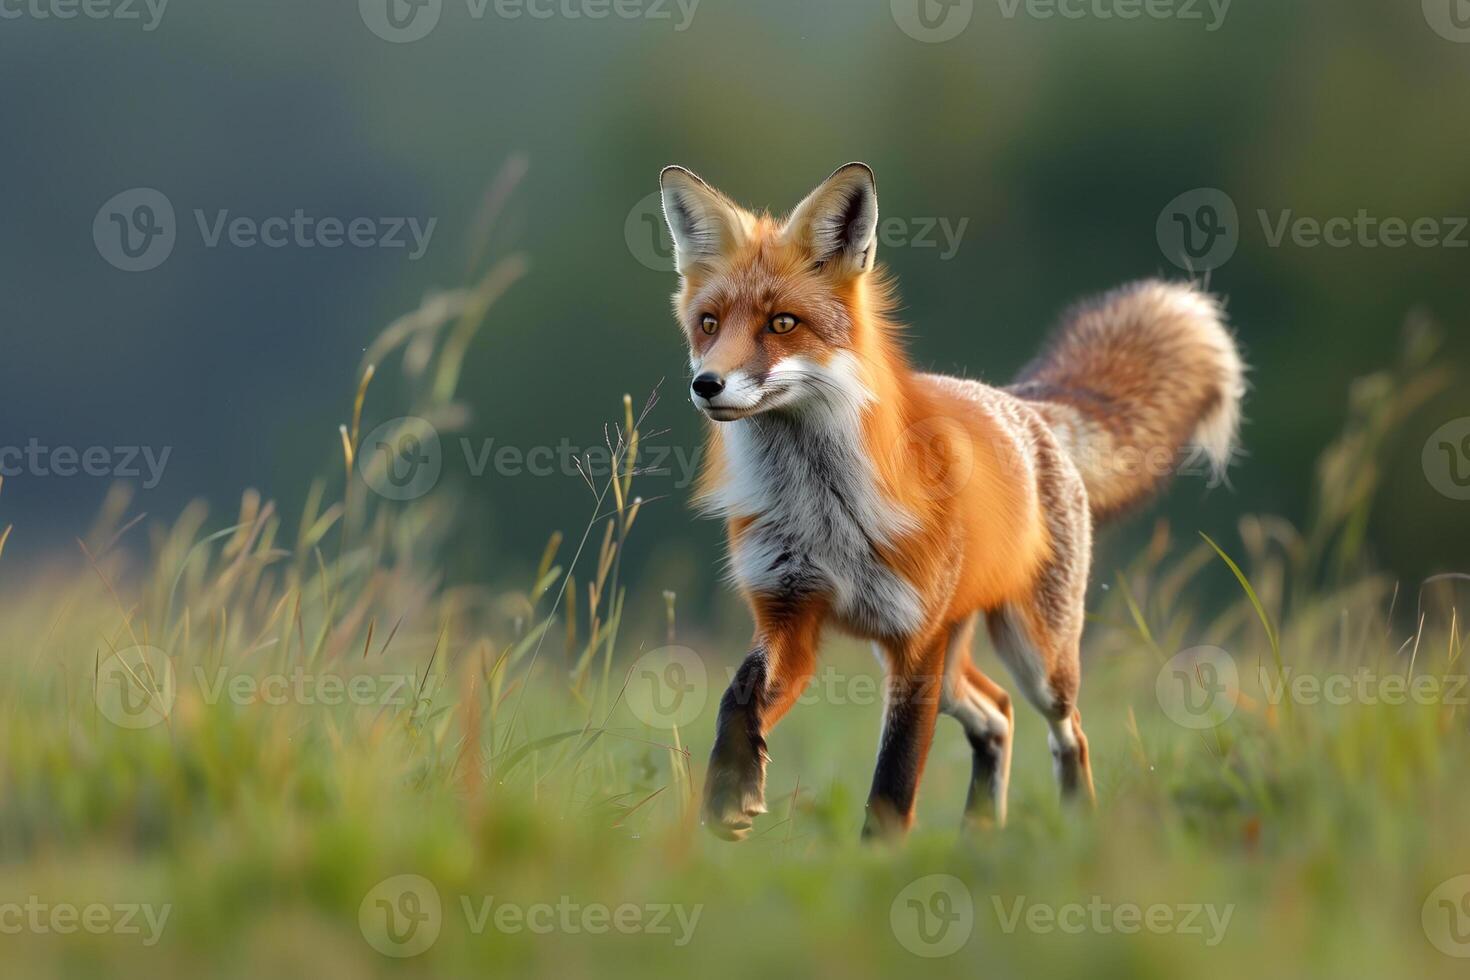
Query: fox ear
(838, 222)
(705, 223)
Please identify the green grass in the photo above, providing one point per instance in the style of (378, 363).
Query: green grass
(509, 765)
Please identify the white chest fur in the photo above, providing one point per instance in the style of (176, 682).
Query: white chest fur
(804, 479)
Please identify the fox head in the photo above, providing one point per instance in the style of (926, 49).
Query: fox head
(770, 307)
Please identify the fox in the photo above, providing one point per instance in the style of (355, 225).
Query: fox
(862, 494)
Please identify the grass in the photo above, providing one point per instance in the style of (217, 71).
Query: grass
(499, 748)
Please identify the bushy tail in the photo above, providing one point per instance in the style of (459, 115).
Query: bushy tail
(1134, 380)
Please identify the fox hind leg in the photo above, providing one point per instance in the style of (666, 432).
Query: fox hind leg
(984, 710)
(1039, 635)
(1047, 666)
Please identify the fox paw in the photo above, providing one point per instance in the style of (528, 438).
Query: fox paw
(732, 801)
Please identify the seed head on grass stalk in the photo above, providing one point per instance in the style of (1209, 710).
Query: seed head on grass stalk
(350, 443)
(5, 536)
(615, 479)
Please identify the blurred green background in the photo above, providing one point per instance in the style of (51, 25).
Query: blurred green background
(1049, 145)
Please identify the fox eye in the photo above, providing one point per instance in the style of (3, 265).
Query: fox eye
(783, 323)
(709, 324)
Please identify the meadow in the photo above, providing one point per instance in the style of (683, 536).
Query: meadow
(272, 744)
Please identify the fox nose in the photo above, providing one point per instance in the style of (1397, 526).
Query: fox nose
(708, 385)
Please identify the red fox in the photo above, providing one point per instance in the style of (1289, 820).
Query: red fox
(899, 506)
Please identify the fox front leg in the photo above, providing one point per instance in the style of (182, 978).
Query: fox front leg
(765, 687)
